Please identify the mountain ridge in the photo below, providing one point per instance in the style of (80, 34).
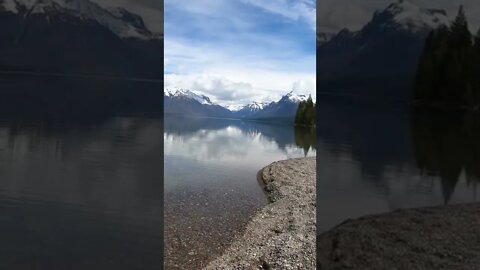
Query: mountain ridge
(123, 23)
(77, 37)
(381, 58)
(182, 101)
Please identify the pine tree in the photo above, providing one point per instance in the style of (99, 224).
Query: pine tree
(475, 71)
(300, 115)
(305, 115)
(310, 109)
(424, 77)
(461, 35)
(460, 65)
(448, 68)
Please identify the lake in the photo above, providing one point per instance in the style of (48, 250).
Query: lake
(81, 179)
(378, 157)
(211, 185)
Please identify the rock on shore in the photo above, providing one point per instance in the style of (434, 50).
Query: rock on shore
(282, 234)
(425, 238)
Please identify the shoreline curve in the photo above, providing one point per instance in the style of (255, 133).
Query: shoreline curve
(281, 235)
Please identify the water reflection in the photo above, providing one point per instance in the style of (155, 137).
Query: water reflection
(79, 191)
(373, 158)
(446, 146)
(225, 137)
(211, 188)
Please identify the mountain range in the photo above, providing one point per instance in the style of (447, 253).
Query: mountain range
(380, 59)
(186, 102)
(77, 37)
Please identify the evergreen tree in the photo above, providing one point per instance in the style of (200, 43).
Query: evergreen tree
(305, 115)
(461, 35)
(310, 110)
(475, 71)
(425, 75)
(448, 68)
(459, 61)
(300, 115)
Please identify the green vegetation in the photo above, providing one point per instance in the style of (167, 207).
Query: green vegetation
(305, 115)
(448, 73)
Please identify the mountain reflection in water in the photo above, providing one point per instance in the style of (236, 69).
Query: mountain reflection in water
(211, 186)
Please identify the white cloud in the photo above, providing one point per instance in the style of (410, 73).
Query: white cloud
(240, 87)
(301, 86)
(235, 52)
(294, 10)
(231, 80)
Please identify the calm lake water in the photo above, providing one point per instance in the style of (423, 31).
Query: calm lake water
(211, 186)
(374, 158)
(80, 175)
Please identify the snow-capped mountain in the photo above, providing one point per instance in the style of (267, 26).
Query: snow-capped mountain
(187, 94)
(381, 58)
(286, 107)
(411, 17)
(256, 106)
(235, 107)
(294, 97)
(251, 109)
(182, 101)
(77, 36)
(118, 20)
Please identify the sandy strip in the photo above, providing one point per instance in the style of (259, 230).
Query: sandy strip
(282, 234)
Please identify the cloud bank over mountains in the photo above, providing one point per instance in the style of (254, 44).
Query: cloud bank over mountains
(240, 51)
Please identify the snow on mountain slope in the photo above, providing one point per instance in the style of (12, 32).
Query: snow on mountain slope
(296, 98)
(119, 21)
(412, 17)
(184, 93)
(381, 58)
(255, 106)
(185, 101)
(235, 108)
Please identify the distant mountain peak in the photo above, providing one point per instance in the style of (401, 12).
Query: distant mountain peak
(410, 16)
(235, 107)
(185, 93)
(255, 106)
(385, 49)
(185, 101)
(294, 97)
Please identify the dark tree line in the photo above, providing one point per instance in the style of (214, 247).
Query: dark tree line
(305, 115)
(449, 68)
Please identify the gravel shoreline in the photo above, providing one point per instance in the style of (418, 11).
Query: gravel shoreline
(282, 234)
(424, 238)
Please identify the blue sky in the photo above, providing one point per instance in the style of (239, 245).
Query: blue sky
(238, 51)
